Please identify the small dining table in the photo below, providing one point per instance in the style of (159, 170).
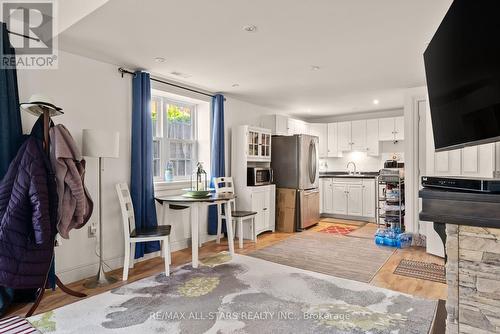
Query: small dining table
(195, 204)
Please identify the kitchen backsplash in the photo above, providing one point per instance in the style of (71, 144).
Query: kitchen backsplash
(364, 162)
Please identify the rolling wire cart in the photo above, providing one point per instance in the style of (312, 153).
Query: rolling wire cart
(390, 202)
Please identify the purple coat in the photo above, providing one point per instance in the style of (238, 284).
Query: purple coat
(28, 213)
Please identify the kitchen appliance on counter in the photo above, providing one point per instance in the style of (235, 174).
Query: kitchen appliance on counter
(259, 176)
(391, 164)
(295, 162)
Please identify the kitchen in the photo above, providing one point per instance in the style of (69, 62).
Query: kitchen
(351, 151)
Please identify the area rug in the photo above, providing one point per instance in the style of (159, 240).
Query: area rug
(244, 295)
(343, 221)
(423, 270)
(352, 258)
(367, 232)
(338, 229)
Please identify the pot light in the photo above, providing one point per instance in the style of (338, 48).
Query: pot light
(250, 28)
(235, 85)
(376, 101)
(315, 68)
(160, 59)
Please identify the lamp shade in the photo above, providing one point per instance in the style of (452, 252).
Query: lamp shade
(100, 144)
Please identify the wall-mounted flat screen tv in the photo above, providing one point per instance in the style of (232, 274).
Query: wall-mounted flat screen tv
(462, 65)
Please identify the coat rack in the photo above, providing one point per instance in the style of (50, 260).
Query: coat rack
(47, 114)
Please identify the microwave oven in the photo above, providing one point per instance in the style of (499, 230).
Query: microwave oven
(258, 176)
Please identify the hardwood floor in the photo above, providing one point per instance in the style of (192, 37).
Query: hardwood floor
(384, 277)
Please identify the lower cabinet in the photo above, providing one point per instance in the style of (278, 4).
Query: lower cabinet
(261, 200)
(348, 197)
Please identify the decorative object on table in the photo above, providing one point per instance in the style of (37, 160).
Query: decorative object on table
(169, 172)
(199, 184)
(133, 235)
(241, 285)
(423, 270)
(100, 144)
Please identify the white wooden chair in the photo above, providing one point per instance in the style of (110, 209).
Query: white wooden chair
(225, 185)
(159, 233)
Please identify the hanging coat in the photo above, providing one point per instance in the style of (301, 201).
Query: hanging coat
(75, 205)
(28, 213)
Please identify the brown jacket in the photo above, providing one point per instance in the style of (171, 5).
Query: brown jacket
(75, 205)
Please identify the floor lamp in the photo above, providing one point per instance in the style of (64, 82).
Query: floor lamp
(100, 144)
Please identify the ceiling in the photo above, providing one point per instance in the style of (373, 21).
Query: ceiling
(365, 49)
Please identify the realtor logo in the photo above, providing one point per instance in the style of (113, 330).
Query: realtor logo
(31, 27)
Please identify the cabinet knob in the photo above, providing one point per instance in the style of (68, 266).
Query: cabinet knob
(264, 209)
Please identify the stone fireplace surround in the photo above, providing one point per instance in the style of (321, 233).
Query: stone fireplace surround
(473, 257)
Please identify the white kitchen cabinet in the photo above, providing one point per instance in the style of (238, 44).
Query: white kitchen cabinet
(333, 141)
(327, 195)
(278, 124)
(399, 128)
(358, 135)
(320, 130)
(372, 138)
(261, 200)
(344, 136)
(369, 198)
(339, 198)
(258, 144)
(354, 200)
(297, 127)
(478, 161)
(391, 128)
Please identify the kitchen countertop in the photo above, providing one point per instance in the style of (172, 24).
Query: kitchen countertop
(363, 175)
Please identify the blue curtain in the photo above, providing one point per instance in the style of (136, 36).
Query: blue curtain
(141, 182)
(10, 118)
(217, 165)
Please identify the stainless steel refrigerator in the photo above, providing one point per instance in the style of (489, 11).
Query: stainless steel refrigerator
(295, 165)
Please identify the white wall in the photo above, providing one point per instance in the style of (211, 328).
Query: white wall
(94, 96)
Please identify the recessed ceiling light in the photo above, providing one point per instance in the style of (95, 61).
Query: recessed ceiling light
(235, 85)
(376, 101)
(159, 59)
(250, 28)
(180, 74)
(315, 67)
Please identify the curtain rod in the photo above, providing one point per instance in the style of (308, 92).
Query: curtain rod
(125, 71)
(21, 35)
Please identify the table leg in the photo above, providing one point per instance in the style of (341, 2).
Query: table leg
(195, 209)
(229, 227)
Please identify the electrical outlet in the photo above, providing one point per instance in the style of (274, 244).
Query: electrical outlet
(92, 230)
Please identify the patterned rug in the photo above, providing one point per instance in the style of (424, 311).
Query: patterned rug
(337, 229)
(242, 295)
(423, 270)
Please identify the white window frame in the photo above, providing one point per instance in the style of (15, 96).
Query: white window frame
(162, 127)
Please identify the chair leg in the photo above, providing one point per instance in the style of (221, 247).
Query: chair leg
(132, 255)
(240, 231)
(219, 222)
(169, 251)
(126, 261)
(166, 252)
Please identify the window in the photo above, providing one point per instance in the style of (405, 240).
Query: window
(174, 138)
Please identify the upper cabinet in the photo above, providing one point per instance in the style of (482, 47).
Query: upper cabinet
(391, 129)
(372, 137)
(258, 144)
(284, 125)
(333, 140)
(320, 130)
(358, 135)
(344, 136)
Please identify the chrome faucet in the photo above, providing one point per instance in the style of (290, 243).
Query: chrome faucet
(348, 164)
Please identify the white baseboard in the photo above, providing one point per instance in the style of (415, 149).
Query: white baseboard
(88, 270)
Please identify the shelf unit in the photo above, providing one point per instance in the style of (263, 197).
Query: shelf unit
(392, 218)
